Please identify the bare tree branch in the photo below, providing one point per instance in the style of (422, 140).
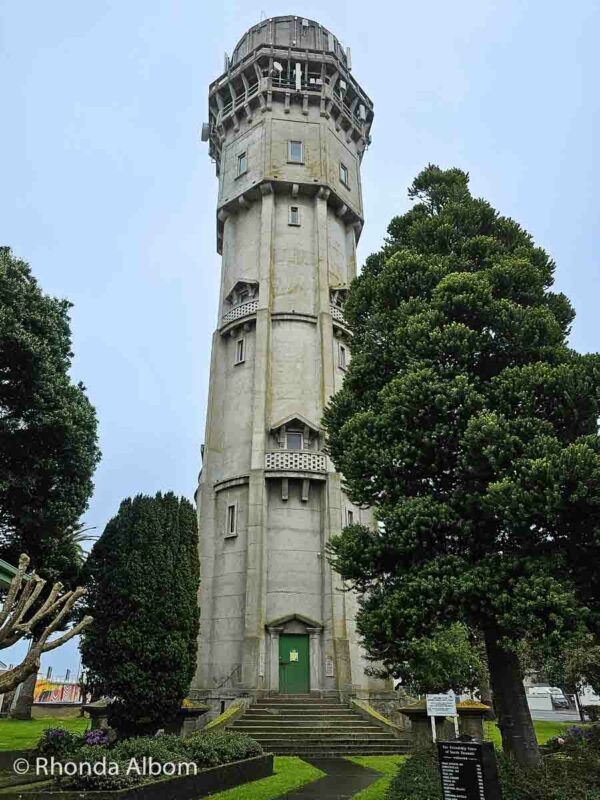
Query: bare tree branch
(21, 597)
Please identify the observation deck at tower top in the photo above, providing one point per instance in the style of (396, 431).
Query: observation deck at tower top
(289, 31)
(292, 56)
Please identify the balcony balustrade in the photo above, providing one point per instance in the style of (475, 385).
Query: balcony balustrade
(243, 310)
(295, 461)
(337, 314)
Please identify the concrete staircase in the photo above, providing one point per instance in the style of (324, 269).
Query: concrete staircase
(303, 725)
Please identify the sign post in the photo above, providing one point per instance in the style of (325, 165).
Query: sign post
(468, 770)
(441, 705)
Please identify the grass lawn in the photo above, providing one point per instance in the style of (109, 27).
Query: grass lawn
(17, 734)
(387, 765)
(290, 772)
(544, 730)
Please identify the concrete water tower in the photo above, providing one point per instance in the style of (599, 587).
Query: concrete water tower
(288, 127)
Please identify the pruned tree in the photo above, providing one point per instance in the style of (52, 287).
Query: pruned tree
(471, 427)
(26, 614)
(142, 580)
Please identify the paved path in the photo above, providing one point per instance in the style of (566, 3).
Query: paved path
(343, 780)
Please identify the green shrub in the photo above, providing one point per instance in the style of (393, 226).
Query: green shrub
(59, 743)
(204, 749)
(578, 739)
(103, 782)
(208, 749)
(562, 776)
(593, 712)
(160, 748)
(418, 778)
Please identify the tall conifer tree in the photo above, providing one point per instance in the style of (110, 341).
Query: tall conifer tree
(142, 579)
(471, 427)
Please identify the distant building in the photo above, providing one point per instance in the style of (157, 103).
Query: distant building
(55, 690)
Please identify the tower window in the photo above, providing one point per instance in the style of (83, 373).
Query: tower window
(296, 152)
(342, 357)
(242, 163)
(349, 517)
(294, 218)
(294, 440)
(240, 351)
(231, 521)
(344, 175)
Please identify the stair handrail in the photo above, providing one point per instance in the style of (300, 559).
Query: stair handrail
(231, 674)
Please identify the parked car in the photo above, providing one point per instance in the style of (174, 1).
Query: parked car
(556, 695)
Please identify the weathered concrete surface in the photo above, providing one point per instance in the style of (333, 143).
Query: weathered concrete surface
(282, 287)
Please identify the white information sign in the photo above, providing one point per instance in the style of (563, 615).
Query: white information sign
(441, 705)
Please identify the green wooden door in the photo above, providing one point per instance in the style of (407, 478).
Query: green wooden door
(294, 667)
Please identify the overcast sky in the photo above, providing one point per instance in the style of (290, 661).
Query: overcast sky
(108, 192)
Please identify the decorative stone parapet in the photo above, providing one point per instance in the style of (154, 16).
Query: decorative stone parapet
(295, 461)
(337, 313)
(243, 310)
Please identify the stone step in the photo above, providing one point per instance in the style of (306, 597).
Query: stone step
(298, 719)
(315, 727)
(297, 708)
(260, 704)
(291, 699)
(299, 701)
(337, 754)
(269, 739)
(330, 751)
(319, 722)
(316, 730)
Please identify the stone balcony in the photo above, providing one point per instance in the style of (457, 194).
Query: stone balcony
(306, 463)
(237, 312)
(337, 313)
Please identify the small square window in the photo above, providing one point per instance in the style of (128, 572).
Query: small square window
(344, 175)
(231, 522)
(296, 152)
(294, 215)
(295, 441)
(242, 163)
(342, 357)
(349, 517)
(240, 351)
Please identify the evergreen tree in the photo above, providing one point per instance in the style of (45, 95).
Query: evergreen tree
(48, 449)
(142, 580)
(471, 427)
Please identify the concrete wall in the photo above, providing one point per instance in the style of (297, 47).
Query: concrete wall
(294, 546)
(272, 576)
(265, 139)
(55, 710)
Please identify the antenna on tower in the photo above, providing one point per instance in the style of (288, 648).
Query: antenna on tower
(263, 15)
